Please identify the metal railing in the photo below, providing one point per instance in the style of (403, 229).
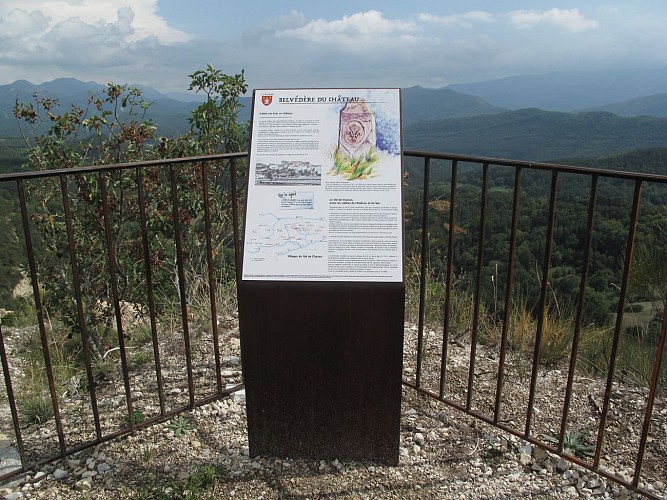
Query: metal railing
(451, 165)
(72, 184)
(433, 376)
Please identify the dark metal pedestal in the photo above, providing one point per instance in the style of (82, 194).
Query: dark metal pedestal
(322, 368)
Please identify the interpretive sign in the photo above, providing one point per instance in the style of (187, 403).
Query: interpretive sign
(324, 193)
(321, 297)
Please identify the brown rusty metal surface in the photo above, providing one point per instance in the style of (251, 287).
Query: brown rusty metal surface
(322, 368)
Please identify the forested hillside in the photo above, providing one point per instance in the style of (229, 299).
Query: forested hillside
(421, 104)
(653, 105)
(609, 239)
(536, 135)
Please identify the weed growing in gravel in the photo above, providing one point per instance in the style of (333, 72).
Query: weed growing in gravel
(180, 425)
(574, 443)
(198, 485)
(33, 397)
(138, 359)
(148, 454)
(557, 333)
(34, 401)
(138, 417)
(492, 456)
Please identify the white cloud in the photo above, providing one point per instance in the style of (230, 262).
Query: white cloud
(355, 33)
(102, 40)
(465, 20)
(570, 19)
(126, 41)
(20, 24)
(145, 23)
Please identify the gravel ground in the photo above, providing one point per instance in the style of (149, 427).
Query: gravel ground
(204, 454)
(443, 455)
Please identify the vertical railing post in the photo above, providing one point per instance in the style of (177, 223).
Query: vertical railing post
(423, 271)
(543, 310)
(478, 284)
(653, 389)
(180, 263)
(76, 281)
(592, 200)
(11, 400)
(40, 317)
(211, 275)
(508, 295)
(111, 259)
(449, 278)
(149, 288)
(629, 250)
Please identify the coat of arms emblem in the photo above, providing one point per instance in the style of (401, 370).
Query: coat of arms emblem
(266, 99)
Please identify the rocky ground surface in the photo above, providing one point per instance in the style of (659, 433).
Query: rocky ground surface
(204, 453)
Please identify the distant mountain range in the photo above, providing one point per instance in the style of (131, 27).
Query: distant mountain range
(652, 105)
(568, 90)
(534, 117)
(537, 135)
(169, 114)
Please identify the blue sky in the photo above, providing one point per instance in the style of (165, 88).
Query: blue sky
(324, 44)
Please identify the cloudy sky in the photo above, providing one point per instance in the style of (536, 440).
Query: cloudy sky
(304, 43)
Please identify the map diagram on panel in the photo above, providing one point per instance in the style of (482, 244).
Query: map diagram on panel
(273, 236)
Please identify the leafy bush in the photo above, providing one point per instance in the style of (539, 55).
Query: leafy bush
(114, 128)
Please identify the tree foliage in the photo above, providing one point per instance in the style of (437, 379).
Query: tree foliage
(115, 128)
(610, 233)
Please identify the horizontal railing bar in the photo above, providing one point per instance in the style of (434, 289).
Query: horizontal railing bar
(36, 174)
(573, 169)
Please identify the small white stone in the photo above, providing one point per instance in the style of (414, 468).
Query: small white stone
(103, 468)
(239, 396)
(570, 491)
(85, 484)
(419, 439)
(232, 361)
(59, 474)
(540, 454)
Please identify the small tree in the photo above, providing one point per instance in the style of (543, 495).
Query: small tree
(114, 128)
(215, 123)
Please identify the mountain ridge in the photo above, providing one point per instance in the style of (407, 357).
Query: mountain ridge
(433, 119)
(568, 90)
(536, 135)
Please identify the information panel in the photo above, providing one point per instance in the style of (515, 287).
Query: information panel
(324, 190)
